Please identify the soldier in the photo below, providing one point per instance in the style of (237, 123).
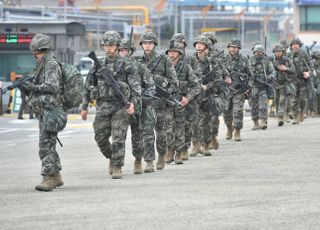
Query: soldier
(235, 63)
(190, 117)
(304, 69)
(143, 123)
(285, 75)
(210, 74)
(45, 99)
(263, 73)
(165, 76)
(112, 116)
(316, 64)
(189, 87)
(218, 56)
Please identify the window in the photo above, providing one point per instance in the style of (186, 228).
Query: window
(309, 18)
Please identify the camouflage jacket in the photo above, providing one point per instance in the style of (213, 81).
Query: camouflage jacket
(283, 77)
(146, 81)
(125, 73)
(262, 70)
(161, 69)
(48, 85)
(208, 71)
(302, 63)
(189, 85)
(316, 65)
(218, 56)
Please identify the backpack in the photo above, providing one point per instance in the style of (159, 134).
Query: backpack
(72, 87)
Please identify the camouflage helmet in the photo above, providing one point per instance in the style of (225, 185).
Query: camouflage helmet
(202, 39)
(234, 42)
(296, 41)
(316, 55)
(148, 37)
(125, 44)
(254, 44)
(175, 46)
(278, 47)
(211, 36)
(111, 38)
(180, 37)
(40, 42)
(259, 48)
(284, 43)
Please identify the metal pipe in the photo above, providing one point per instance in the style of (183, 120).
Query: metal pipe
(1, 11)
(125, 8)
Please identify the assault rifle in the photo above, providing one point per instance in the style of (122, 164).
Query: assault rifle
(18, 83)
(239, 84)
(174, 98)
(110, 81)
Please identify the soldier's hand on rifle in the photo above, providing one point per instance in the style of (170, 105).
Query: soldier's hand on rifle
(84, 114)
(282, 68)
(184, 101)
(28, 86)
(306, 75)
(131, 109)
(204, 87)
(228, 80)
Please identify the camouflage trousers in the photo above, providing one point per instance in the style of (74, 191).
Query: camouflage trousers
(161, 133)
(115, 124)
(195, 126)
(136, 136)
(205, 123)
(281, 104)
(47, 152)
(259, 103)
(148, 122)
(234, 113)
(191, 116)
(215, 126)
(176, 128)
(300, 99)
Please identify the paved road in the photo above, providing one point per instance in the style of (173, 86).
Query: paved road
(271, 180)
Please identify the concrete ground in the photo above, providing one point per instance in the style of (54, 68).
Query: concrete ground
(270, 180)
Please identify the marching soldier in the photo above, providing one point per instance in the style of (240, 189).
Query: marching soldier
(165, 76)
(112, 116)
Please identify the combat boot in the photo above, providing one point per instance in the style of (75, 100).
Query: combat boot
(195, 149)
(280, 121)
(205, 150)
(160, 164)
(178, 159)
(57, 180)
(296, 121)
(229, 132)
(116, 172)
(255, 124)
(214, 143)
(263, 123)
(301, 117)
(149, 167)
(185, 155)
(137, 168)
(169, 156)
(237, 135)
(46, 185)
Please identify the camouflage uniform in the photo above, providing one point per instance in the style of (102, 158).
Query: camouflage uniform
(45, 99)
(284, 86)
(189, 87)
(205, 68)
(260, 68)
(302, 64)
(112, 118)
(181, 38)
(164, 74)
(316, 65)
(143, 122)
(233, 116)
(218, 56)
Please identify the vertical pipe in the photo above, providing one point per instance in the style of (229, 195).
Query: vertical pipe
(176, 17)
